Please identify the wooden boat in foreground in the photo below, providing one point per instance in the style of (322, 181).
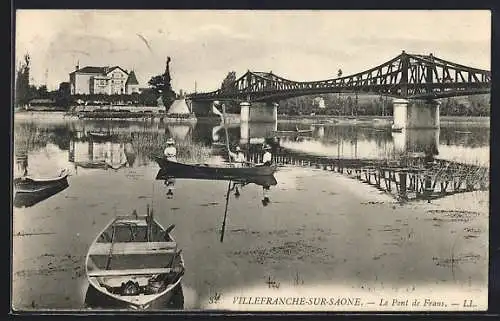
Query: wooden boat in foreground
(202, 169)
(135, 263)
(27, 184)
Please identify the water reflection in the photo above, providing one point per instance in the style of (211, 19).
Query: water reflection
(424, 141)
(238, 183)
(120, 144)
(235, 186)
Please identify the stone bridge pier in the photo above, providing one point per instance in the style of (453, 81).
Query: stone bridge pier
(415, 114)
(259, 112)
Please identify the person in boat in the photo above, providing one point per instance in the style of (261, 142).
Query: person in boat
(267, 158)
(238, 157)
(170, 151)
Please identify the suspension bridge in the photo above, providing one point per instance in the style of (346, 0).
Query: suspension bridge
(407, 78)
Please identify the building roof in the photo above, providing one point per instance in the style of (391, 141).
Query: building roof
(90, 70)
(110, 69)
(97, 70)
(132, 79)
(179, 106)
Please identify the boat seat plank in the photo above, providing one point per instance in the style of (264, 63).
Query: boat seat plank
(138, 222)
(133, 248)
(129, 272)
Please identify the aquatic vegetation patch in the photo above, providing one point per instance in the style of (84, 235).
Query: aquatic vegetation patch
(289, 250)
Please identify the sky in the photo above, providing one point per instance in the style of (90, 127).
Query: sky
(205, 45)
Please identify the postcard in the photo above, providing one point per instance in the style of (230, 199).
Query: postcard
(251, 160)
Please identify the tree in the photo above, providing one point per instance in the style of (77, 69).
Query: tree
(42, 92)
(228, 84)
(22, 93)
(148, 97)
(157, 83)
(162, 87)
(63, 95)
(228, 87)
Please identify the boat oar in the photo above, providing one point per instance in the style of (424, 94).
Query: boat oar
(225, 213)
(170, 228)
(110, 255)
(167, 231)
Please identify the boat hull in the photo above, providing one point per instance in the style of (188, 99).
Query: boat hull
(28, 199)
(214, 172)
(33, 185)
(262, 180)
(171, 300)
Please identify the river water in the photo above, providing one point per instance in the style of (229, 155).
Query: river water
(313, 228)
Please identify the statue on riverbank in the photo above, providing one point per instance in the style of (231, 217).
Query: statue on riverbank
(168, 95)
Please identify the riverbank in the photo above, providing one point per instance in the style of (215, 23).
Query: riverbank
(382, 121)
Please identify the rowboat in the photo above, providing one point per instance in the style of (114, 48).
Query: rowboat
(262, 180)
(28, 184)
(24, 199)
(214, 171)
(292, 132)
(135, 263)
(99, 135)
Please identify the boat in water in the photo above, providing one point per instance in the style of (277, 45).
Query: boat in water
(215, 171)
(99, 135)
(27, 184)
(296, 132)
(135, 263)
(262, 180)
(23, 199)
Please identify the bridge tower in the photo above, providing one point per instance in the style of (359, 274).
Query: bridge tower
(414, 114)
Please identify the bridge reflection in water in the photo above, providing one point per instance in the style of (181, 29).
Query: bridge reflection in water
(408, 171)
(404, 164)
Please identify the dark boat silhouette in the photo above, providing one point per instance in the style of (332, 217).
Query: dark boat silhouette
(24, 199)
(262, 180)
(28, 184)
(215, 171)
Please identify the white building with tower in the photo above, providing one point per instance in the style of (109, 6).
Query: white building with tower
(103, 80)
